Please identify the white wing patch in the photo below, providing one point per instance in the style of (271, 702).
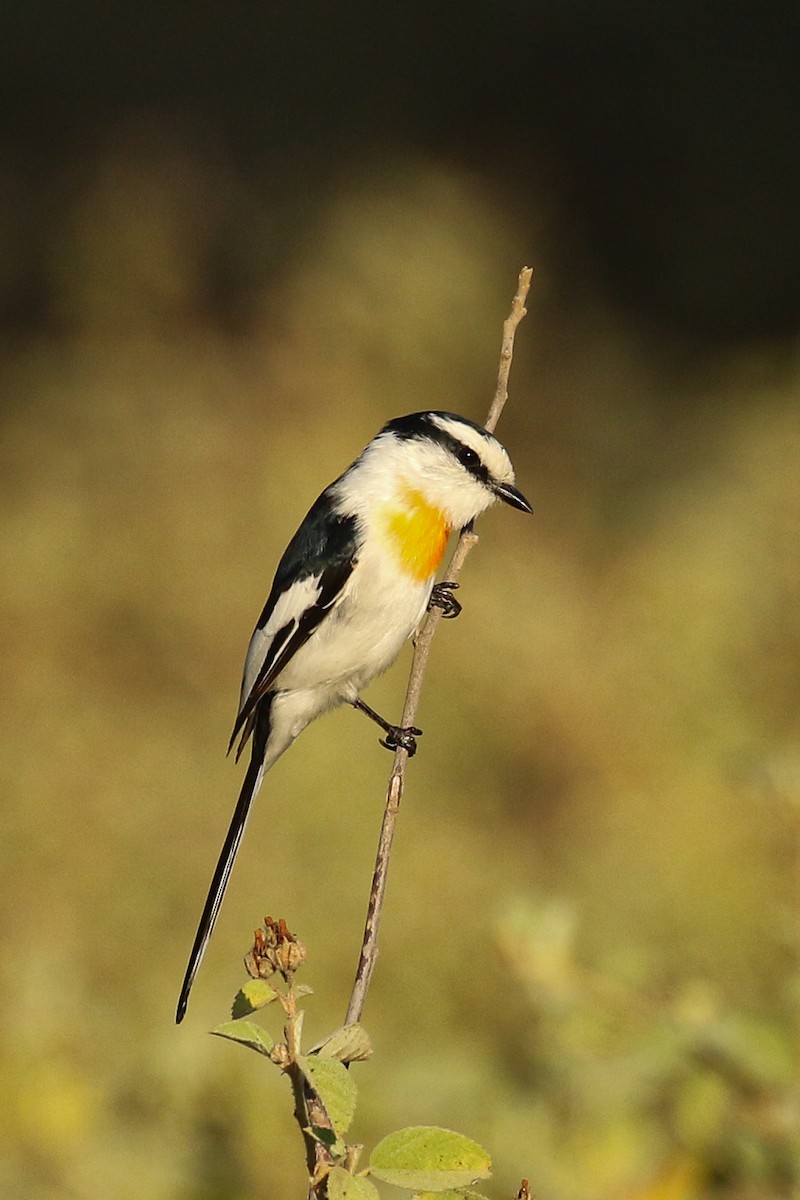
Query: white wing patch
(282, 623)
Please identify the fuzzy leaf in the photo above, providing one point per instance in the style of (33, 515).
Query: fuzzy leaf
(253, 995)
(450, 1194)
(327, 1138)
(349, 1044)
(247, 1033)
(428, 1159)
(335, 1087)
(344, 1186)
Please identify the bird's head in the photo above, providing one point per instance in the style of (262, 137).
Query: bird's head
(457, 466)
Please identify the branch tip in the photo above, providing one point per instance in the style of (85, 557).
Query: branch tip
(422, 646)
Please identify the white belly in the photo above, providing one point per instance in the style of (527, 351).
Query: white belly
(362, 635)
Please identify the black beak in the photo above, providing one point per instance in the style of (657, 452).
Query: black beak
(504, 491)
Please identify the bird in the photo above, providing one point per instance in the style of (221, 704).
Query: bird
(353, 585)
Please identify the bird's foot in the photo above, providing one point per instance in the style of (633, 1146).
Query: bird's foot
(442, 597)
(402, 737)
(398, 737)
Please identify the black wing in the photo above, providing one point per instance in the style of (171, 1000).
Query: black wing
(321, 555)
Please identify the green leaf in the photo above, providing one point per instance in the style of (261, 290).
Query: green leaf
(344, 1186)
(349, 1044)
(327, 1138)
(428, 1159)
(253, 995)
(450, 1194)
(247, 1033)
(299, 1022)
(335, 1087)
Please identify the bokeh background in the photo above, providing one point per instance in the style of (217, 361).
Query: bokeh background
(233, 242)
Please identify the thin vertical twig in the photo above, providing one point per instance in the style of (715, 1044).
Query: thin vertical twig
(422, 647)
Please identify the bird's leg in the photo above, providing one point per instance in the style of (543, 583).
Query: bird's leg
(442, 597)
(398, 737)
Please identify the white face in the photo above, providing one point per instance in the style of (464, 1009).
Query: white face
(462, 492)
(486, 446)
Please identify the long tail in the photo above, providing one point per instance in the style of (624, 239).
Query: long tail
(222, 872)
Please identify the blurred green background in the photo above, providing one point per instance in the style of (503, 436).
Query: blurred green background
(233, 242)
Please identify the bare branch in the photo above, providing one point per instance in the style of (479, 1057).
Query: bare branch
(518, 312)
(422, 647)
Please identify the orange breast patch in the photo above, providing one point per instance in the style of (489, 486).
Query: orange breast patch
(417, 532)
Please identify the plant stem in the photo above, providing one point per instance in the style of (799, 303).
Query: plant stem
(422, 647)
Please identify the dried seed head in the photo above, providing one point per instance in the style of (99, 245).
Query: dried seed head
(275, 948)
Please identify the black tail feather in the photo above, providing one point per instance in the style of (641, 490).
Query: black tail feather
(224, 865)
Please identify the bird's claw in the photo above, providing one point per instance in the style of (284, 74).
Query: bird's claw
(400, 737)
(442, 597)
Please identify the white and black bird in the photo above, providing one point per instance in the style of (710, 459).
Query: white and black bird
(352, 587)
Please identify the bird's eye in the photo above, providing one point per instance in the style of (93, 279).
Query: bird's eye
(467, 457)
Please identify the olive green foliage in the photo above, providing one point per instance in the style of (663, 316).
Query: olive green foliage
(589, 957)
(420, 1158)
